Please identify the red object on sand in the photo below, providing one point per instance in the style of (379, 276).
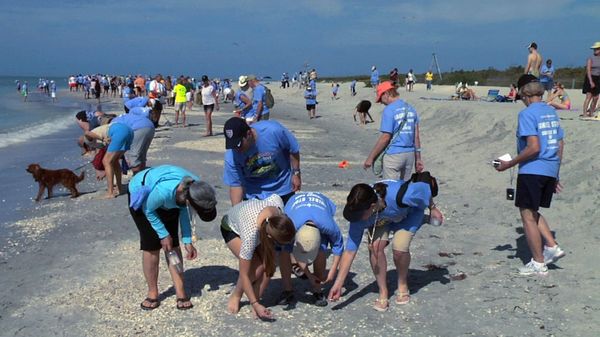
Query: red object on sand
(343, 164)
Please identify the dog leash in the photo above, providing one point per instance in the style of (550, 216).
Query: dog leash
(82, 166)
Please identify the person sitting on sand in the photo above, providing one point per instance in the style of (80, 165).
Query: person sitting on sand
(388, 206)
(159, 203)
(466, 93)
(362, 110)
(564, 102)
(251, 229)
(313, 215)
(512, 94)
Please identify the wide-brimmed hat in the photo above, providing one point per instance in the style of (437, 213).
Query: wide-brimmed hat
(532, 45)
(595, 45)
(243, 81)
(202, 198)
(382, 88)
(308, 241)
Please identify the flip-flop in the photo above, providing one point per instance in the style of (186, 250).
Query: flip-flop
(151, 301)
(181, 301)
(403, 295)
(381, 301)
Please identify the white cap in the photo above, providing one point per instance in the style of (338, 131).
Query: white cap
(308, 241)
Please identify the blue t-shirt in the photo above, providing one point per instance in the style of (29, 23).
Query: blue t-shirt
(353, 84)
(393, 115)
(265, 168)
(335, 89)
(545, 69)
(410, 218)
(539, 119)
(163, 181)
(134, 121)
(310, 96)
(315, 207)
(237, 100)
(135, 102)
(142, 111)
(126, 94)
(313, 85)
(375, 76)
(258, 96)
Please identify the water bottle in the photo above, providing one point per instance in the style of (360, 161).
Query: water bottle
(175, 261)
(435, 221)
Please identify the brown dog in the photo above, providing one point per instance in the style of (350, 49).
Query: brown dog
(49, 178)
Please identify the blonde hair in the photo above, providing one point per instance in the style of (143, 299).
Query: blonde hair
(282, 230)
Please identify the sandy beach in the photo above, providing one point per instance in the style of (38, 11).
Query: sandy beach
(72, 266)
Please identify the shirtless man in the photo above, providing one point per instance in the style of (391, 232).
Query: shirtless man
(534, 61)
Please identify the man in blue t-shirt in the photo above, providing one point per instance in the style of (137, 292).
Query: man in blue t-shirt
(399, 142)
(316, 230)
(260, 160)
(547, 76)
(374, 77)
(540, 147)
(259, 110)
(311, 102)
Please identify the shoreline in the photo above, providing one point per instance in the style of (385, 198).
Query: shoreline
(78, 273)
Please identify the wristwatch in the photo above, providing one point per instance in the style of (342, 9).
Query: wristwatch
(296, 172)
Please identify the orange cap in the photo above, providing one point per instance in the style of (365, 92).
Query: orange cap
(383, 87)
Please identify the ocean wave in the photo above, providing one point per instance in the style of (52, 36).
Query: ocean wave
(33, 131)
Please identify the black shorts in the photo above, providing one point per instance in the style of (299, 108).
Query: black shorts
(149, 240)
(534, 191)
(310, 106)
(363, 106)
(226, 232)
(587, 88)
(209, 108)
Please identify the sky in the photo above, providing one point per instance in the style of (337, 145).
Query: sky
(337, 37)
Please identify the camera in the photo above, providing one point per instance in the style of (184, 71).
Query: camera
(510, 194)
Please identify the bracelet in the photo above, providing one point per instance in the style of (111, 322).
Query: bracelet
(418, 149)
(296, 172)
(253, 303)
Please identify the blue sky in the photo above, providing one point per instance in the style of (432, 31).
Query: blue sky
(338, 37)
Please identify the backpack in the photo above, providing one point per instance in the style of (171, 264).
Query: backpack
(269, 100)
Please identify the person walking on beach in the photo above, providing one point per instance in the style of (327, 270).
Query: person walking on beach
(389, 206)
(411, 80)
(534, 60)
(251, 229)
(394, 76)
(159, 203)
(209, 101)
(53, 91)
(374, 77)
(429, 79)
(335, 87)
(260, 160)
(540, 149)
(591, 82)
(180, 101)
(313, 215)
(353, 88)
(547, 76)
(311, 102)
(260, 110)
(400, 141)
(243, 100)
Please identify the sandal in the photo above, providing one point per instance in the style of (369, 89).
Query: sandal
(297, 270)
(181, 303)
(286, 298)
(154, 303)
(402, 298)
(381, 304)
(320, 299)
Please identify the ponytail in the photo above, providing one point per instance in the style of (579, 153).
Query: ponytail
(283, 230)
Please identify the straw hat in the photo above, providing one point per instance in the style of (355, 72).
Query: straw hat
(596, 45)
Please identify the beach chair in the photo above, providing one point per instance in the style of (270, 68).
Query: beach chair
(491, 95)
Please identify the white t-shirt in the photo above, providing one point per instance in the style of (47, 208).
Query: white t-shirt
(242, 221)
(207, 95)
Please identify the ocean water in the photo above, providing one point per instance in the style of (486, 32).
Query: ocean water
(37, 131)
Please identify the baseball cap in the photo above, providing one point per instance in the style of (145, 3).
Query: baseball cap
(383, 87)
(243, 81)
(308, 241)
(203, 200)
(532, 45)
(526, 79)
(204, 78)
(235, 130)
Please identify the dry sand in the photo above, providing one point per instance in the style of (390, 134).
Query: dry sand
(73, 267)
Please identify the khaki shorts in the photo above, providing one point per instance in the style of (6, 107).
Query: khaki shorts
(398, 166)
(400, 241)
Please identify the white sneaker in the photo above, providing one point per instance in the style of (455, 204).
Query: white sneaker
(552, 254)
(534, 268)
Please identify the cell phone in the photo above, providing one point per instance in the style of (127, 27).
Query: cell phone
(496, 163)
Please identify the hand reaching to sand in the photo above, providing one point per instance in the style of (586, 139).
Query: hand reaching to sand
(335, 293)
(261, 312)
(192, 253)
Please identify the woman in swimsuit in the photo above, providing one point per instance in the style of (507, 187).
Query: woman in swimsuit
(560, 93)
